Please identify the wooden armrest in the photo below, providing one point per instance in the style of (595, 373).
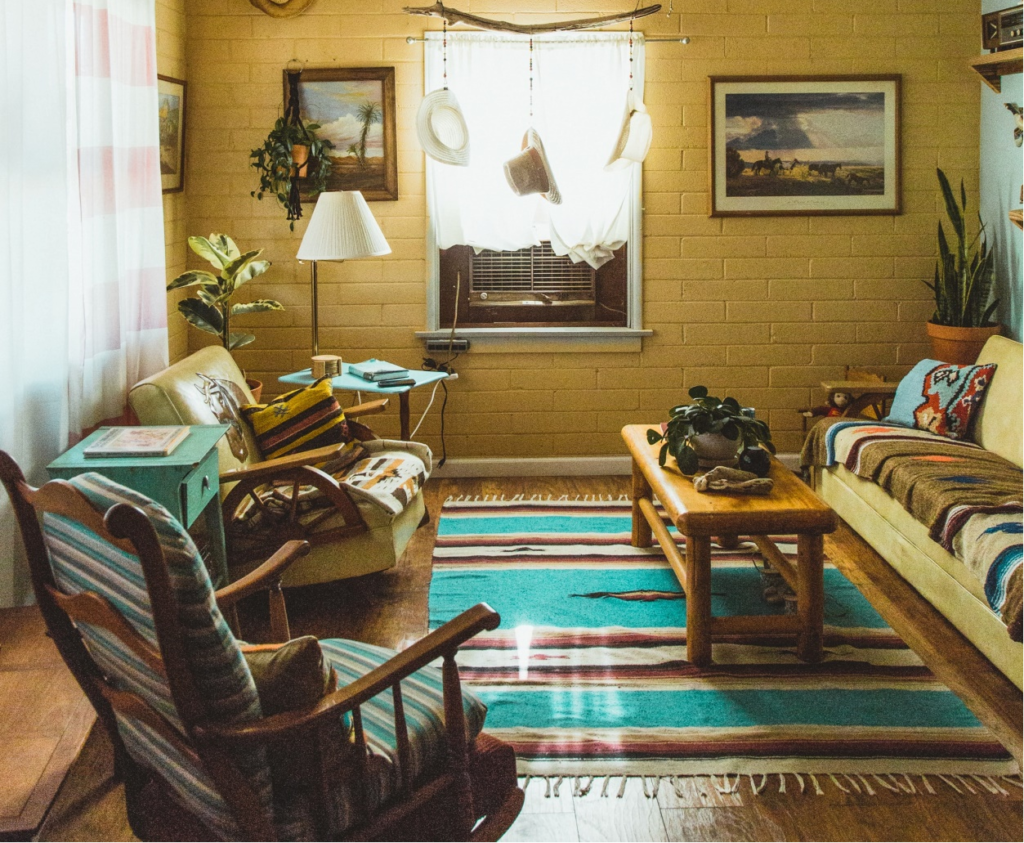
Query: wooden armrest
(267, 574)
(369, 408)
(270, 468)
(438, 643)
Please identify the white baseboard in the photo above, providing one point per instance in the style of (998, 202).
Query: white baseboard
(553, 466)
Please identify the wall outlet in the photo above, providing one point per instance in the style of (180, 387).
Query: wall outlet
(441, 346)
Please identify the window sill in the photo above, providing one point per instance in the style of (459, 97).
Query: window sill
(545, 340)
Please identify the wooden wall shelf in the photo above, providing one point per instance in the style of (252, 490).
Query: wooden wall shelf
(993, 66)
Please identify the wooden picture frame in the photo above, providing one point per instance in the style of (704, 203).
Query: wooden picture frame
(804, 145)
(171, 111)
(355, 107)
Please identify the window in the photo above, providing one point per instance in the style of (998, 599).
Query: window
(522, 261)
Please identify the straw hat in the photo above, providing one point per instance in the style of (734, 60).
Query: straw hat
(442, 128)
(634, 137)
(529, 172)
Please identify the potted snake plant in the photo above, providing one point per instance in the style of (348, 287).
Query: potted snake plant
(709, 431)
(964, 273)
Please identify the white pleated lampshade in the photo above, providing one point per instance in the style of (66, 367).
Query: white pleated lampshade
(342, 227)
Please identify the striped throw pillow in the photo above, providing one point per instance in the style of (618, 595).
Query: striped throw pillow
(300, 420)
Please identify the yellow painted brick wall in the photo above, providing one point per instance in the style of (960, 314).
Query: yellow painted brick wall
(760, 308)
(170, 61)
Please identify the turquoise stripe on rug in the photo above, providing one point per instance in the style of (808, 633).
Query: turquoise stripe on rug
(578, 691)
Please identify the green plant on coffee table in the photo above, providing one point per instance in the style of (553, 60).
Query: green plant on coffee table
(707, 414)
(964, 275)
(211, 310)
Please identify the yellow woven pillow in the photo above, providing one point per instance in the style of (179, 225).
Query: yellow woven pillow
(300, 420)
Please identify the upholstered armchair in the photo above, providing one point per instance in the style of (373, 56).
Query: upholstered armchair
(218, 740)
(357, 514)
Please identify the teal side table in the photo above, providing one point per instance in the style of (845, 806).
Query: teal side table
(186, 482)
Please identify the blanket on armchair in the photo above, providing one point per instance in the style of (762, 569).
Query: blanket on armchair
(969, 499)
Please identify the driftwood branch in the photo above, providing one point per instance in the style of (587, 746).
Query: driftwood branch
(281, 8)
(454, 16)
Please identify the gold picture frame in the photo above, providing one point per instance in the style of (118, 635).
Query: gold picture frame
(171, 110)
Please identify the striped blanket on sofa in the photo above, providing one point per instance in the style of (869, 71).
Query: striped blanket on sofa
(969, 499)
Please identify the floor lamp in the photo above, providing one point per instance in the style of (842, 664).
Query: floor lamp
(341, 228)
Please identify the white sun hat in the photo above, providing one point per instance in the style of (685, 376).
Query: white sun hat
(442, 128)
(529, 172)
(634, 139)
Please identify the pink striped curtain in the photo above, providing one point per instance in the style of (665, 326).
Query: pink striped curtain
(118, 310)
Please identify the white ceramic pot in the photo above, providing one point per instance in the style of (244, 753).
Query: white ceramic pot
(715, 449)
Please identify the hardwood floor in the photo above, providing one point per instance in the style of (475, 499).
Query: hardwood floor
(391, 609)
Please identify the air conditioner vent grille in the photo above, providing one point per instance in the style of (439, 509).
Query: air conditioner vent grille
(529, 276)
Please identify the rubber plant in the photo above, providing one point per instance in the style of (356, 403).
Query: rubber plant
(706, 414)
(963, 274)
(211, 310)
(292, 151)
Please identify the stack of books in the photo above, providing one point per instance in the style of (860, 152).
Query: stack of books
(381, 373)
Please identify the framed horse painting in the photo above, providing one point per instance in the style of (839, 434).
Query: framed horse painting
(788, 145)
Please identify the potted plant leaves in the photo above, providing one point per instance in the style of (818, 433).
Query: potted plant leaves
(710, 431)
(962, 286)
(292, 151)
(211, 310)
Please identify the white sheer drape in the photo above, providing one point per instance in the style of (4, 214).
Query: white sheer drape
(580, 83)
(82, 310)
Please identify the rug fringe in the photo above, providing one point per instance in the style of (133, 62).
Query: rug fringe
(901, 784)
(523, 498)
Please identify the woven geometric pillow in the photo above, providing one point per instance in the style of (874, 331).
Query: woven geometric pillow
(300, 420)
(940, 397)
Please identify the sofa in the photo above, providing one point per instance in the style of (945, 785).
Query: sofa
(376, 503)
(931, 556)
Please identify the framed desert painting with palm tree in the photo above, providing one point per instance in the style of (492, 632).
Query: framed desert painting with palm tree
(355, 108)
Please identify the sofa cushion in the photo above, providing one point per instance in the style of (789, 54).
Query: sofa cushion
(940, 397)
(998, 428)
(301, 420)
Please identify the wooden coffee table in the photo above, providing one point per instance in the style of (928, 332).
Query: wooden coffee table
(791, 508)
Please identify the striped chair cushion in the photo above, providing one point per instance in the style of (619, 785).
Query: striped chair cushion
(300, 420)
(82, 561)
(423, 698)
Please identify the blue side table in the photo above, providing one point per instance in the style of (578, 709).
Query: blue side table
(351, 383)
(186, 482)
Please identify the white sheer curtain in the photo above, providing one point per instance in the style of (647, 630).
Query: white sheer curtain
(580, 83)
(82, 310)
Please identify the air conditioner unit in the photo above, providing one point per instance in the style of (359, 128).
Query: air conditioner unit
(535, 276)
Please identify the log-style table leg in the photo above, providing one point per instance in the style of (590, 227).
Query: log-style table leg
(698, 600)
(641, 536)
(810, 595)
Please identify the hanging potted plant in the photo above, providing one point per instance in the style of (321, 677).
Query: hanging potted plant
(709, 431)
(292, 151)
(962, 286)
(211, 310)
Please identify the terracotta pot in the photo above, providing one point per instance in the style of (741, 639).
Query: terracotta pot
(958, 345)
(256, 388)
(300, 158)
(715, 449)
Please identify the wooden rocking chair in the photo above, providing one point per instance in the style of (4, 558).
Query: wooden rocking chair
(387, 747)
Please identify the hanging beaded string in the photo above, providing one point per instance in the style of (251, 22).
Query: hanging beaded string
(531, 80)
(444, 45)
(631, 55)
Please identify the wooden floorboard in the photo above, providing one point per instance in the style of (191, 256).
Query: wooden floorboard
(391, 609)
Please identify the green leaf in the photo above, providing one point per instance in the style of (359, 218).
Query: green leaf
(225, 245)
(687, 460)
(698, 392)
(654, 436)
(662, 455)
(250, 271)
(194, 276)
(731, 430)
(237, 340)
(205, 249)
(203, 316)
(257, 306)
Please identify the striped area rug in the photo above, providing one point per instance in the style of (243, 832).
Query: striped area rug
(588, 676)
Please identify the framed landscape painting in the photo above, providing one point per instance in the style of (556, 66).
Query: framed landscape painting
(355, 107)
(804, 145)
(171, 109)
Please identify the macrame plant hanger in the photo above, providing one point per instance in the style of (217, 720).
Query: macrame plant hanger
(292, 118)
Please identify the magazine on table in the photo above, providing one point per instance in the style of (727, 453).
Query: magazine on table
(137, 442)
(377, 370)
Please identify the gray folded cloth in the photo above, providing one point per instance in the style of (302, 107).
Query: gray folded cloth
(734, 480)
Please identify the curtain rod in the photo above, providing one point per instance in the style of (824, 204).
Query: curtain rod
(412, 39)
